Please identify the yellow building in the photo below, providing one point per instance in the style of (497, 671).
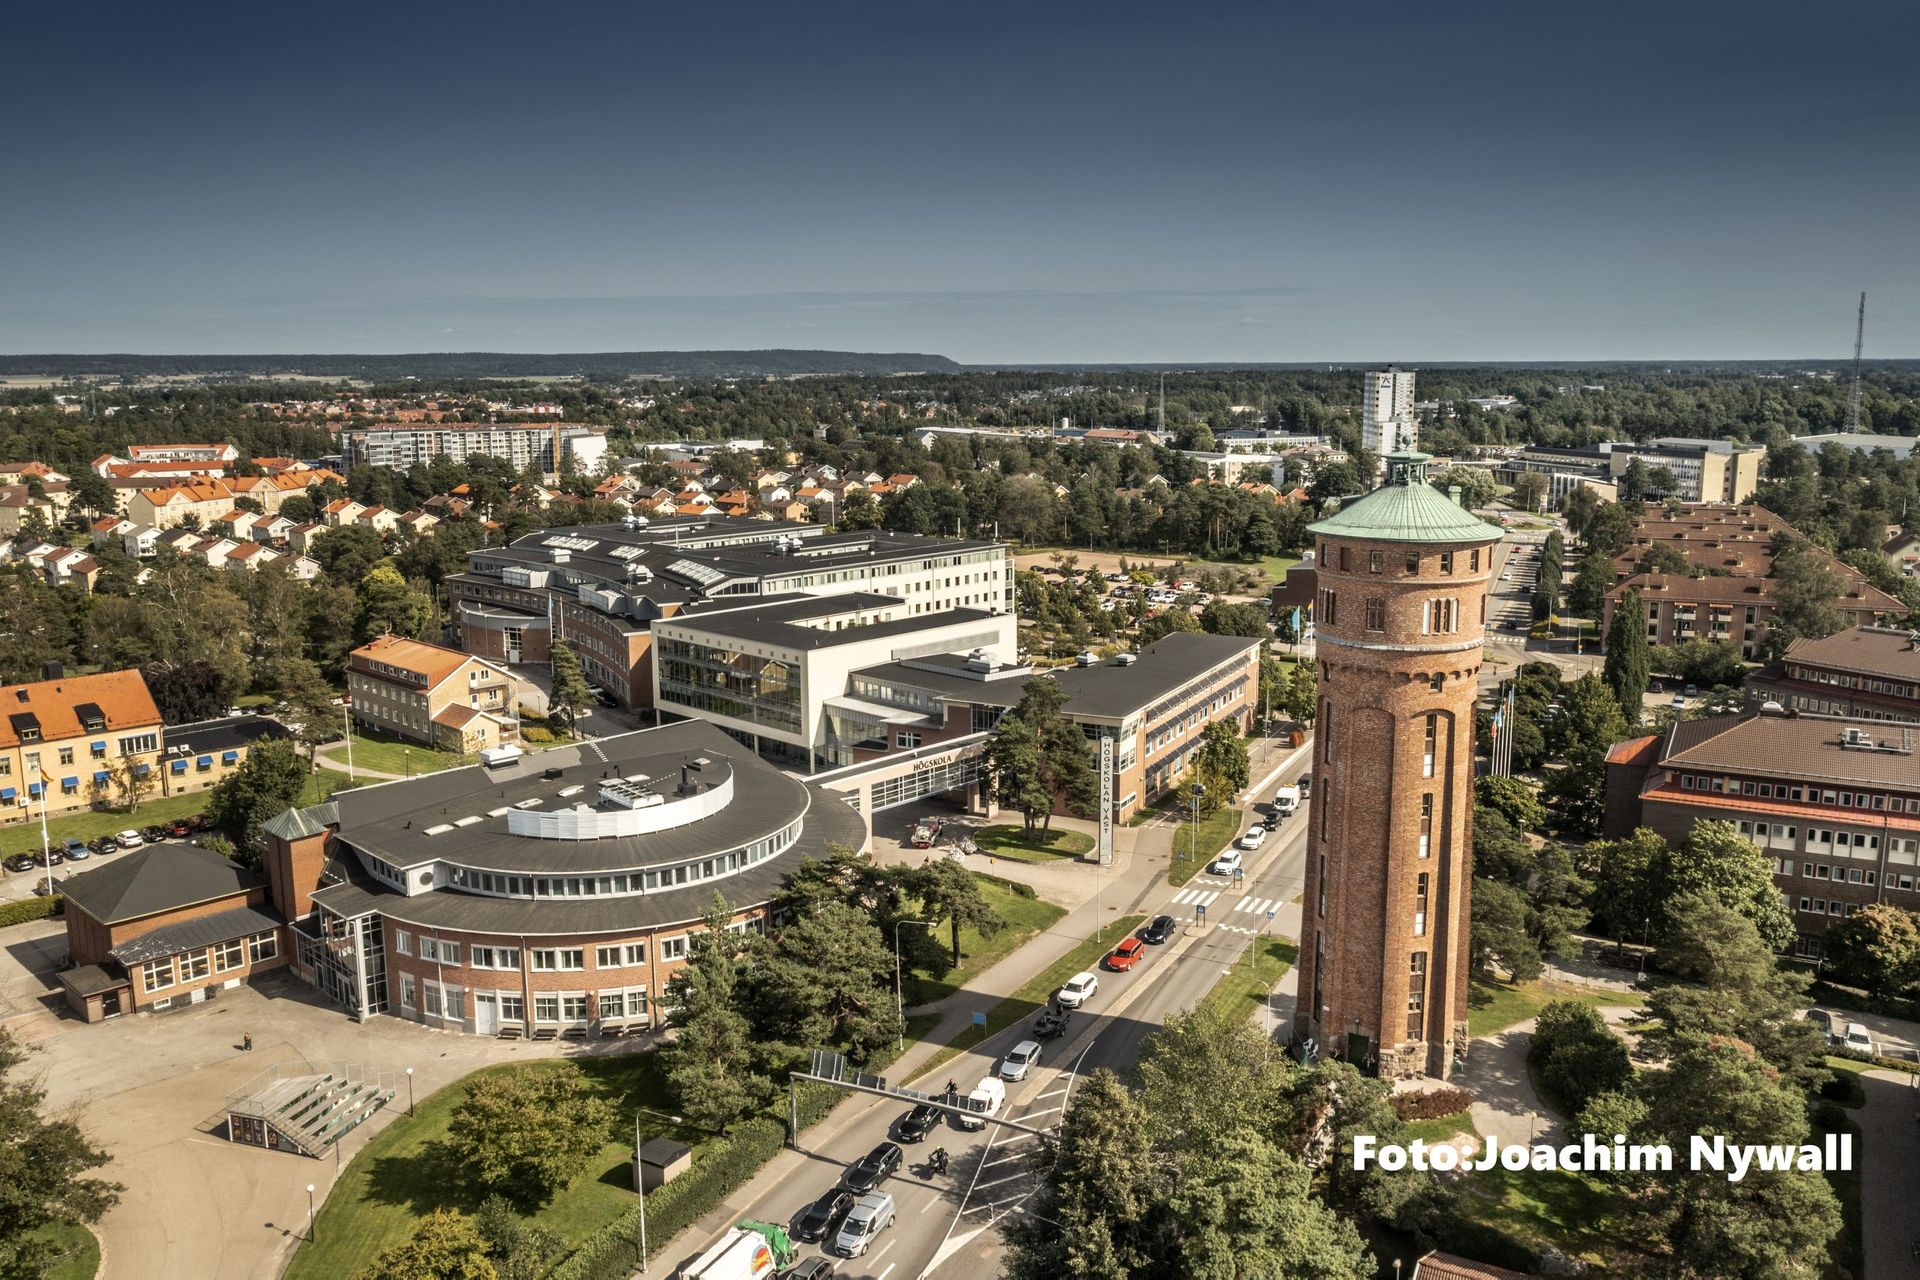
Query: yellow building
(80, 738)
(432, 695)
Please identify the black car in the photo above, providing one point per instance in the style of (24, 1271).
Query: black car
(48, 857)
(153, 833)
(874, 1168)
(811, 1269)
(106, 844)
(1305, 784)
(917, 1123)
(1051, 1023)
(20, 862)
(1159, 929)
(818, 1219)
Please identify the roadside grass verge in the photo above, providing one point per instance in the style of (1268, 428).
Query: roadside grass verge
(1240, 992)
(1029, 999)
(1013, 841)
(79, 1251)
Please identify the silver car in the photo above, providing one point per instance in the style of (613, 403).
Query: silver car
(871, 1214)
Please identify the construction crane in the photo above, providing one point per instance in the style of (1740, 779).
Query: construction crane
(1853, 398)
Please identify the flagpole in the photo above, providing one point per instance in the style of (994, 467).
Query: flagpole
(346, 724)
(46, 841)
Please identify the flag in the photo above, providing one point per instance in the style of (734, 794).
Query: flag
(1499, 718)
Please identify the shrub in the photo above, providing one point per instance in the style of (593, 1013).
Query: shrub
(1431, 1104)
(30, 909)
(1844, 1087)
(534, 733)
(1011, 886)
(1576, 1055)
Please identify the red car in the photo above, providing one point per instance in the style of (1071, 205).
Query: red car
(1126, 955)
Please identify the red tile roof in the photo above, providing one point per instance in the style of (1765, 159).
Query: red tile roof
(121, 696)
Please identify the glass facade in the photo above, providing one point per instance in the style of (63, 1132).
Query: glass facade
(741, 686)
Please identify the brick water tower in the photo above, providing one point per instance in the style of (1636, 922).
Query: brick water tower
(1398, 626)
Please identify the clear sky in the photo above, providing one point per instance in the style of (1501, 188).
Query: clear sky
(1045, 180)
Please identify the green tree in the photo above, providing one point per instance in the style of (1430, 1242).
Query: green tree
(1165, 623)
(266, 784)
(1243, 1206)
(1513, 799)
(1629, 664)
(949, 892)
(1499, 936)
(45, 1169)
(569, 681)
(526, 1132)
(1876, 948)
(827, 980)
(711, 1063)
(1590, 724)
(518, 1249)
(1222, 618)
(1806, 592)
(1220, 763)
(1610, 529)
(1578, 508)
(1575, 1055)
(311, 714)
(1302, 694)
(1717, 859)
(93, 493)
(1038, 756)
(1591, 579)
(132, 781)
(1630, 886)
(445, 1246)
(384, 604)
(1094, 1213)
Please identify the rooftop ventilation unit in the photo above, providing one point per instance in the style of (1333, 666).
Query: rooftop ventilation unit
(979, 660)
(467, 821)
(1126, 660)
(439, 828)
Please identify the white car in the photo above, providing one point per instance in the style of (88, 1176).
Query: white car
(129, 839)
(1255, 837)
(1858, 1038)
(1019, 1060)
(1227, 863)
(1077, 989)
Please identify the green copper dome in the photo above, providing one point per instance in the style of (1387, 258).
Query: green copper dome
(1406, 509)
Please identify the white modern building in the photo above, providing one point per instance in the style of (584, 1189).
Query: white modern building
(1387, 424)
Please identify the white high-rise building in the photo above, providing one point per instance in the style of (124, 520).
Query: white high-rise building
(1387, 423)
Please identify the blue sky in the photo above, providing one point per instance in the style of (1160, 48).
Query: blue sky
(993, 182)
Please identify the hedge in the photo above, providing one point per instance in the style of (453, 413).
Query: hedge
(1431, 1104)
(1011, 886)
(30, 909)
(719, 1169)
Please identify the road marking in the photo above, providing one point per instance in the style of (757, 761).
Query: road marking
(883, 1253)
(1206, 900)
(1053, 1094)
(1012, 1177)
(1242, 904)
(883, 1275)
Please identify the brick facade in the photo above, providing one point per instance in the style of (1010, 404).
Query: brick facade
(1400, 628)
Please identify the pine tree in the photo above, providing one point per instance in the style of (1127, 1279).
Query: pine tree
(1629, 663)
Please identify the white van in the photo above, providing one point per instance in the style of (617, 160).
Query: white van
(1859, 1039)
(1285, 801)
(987, 1097)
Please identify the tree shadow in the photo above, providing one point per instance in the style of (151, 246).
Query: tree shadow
(421, 1181)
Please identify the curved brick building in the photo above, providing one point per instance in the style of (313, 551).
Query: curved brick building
(1399, 621)
(552, 895)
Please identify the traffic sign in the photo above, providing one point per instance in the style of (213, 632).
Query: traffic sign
(1200, 911)
(1269, 915)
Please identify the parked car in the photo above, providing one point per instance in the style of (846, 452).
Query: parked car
(1305, 783)
(871, 1214)
(181, 828)
(1158, 930)
(873, 1168)
(106, 844)
(1075, 991)
(199, 822)
(48, 858)
(20, 862)
(1858, 1039)
(1691, 691)
(129, 839)
(75, 850)
(155, 832)
(823, 1215)
(1126, 955)
(1019, 1060)
(1679, 703)
(917, 1123)
(1823, 1020)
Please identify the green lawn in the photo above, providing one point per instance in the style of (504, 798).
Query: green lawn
(386, 754)
(79, 1251)
(1495, 1006)
(322, 784)
(1012, 841)
(1039, 989)
(1570, 1211)
(1024, 918)
(405, 1172)
(24, 837)
(1440, 1129)
(1246, 988)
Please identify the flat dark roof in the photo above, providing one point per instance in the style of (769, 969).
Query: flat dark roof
(227, 734)
(781, 624)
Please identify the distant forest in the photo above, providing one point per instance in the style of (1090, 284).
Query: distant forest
(605, 366)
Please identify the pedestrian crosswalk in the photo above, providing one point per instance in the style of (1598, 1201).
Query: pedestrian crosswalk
(1207, 897)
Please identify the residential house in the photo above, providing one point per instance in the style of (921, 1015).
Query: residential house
(431, 694)
(63, 738)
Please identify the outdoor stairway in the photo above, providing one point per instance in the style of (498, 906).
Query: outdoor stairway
(312, 1111)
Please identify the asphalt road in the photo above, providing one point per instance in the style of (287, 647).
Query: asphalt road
(948, 1223)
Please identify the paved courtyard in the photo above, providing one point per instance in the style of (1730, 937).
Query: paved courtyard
(150, 1089)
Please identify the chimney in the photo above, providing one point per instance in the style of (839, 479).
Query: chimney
(1453, 494)
(53, 669)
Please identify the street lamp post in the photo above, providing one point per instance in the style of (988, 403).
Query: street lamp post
(1193, 825)
(409, 1090)
(309, 1213)
(899, 997)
